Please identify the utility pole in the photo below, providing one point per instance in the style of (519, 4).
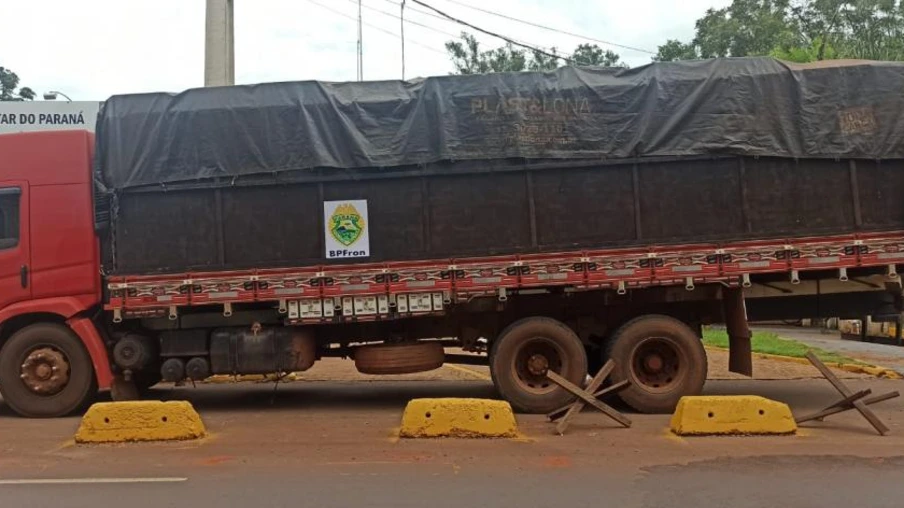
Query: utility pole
(402, 17)
(219, 44)
(360, 44)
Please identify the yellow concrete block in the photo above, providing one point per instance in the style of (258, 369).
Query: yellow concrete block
(117, 422)
(731, 415)
(452, 417)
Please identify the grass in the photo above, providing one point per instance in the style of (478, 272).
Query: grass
(770, 343)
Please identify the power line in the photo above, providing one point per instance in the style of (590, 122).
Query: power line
(551, 29)
(410, 22)
(447, 20)
(375, 27)
(487, 32)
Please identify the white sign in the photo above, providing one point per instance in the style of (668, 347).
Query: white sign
(346, 229)
(29, 116)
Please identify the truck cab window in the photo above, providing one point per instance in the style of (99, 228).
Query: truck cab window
(9, 217)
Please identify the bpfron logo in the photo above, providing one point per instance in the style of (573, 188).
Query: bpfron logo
(346, 224)
(346, 229)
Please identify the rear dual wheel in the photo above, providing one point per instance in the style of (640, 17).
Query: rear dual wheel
(524, 352)
(663, 359)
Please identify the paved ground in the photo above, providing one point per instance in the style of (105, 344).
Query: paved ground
(331, 443)
(891, 357)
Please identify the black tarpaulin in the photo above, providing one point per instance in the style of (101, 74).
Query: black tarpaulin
(745, 106)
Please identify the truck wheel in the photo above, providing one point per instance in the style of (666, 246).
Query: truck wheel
(525, 351)
(662, 358)
(45, 372)
(387, 359)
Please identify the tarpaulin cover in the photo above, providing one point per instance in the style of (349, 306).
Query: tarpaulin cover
(746, 106)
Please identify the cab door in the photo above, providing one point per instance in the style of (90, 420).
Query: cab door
(15, 255)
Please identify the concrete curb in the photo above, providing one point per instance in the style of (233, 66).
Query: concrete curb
(119, 422)
(872, 370)
(454, 417)
(736, 415)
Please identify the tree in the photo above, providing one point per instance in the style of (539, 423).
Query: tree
(799, 30)
(468, 57)
(593, 55)
(9, 82)
(676, 50)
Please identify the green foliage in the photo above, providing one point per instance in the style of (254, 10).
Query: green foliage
(587, 55)
(469, 58)
(674, 49)
(804, 54)
(800, 31)
(770, 343)
(9, 82)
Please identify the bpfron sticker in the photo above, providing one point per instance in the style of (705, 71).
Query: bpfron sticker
(346, 229)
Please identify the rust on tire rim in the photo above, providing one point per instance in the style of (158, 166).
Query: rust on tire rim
(658, 364)
(45, 371)
(534, 359)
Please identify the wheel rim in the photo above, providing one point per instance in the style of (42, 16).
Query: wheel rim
(45, 371)
(658, 364)
(533, 360)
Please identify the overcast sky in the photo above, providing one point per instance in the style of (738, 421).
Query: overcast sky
(91, 49)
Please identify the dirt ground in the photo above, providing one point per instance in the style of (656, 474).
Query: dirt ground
(334, 443)
(338, 369)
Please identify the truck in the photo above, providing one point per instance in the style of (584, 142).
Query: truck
(531, 222)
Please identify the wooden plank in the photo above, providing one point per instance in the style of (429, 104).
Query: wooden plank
(594, 385)
(845, 404)
(617, 387)
(828, 374)
(835, 410)
(586, 397)
(858, 404)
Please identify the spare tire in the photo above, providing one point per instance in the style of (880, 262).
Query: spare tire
(399, 358)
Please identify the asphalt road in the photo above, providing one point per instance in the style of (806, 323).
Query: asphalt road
(787, 482)
(326, 444)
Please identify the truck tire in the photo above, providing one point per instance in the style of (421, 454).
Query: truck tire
(45, 372)
(663, 359)
(387, 359)
(524, 352)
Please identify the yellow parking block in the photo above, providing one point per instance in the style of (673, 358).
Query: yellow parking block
(454, 417)
(117, 422)
(731, 415)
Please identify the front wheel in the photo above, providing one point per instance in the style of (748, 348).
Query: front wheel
(663, 359)
(522, 355)
(45, 372)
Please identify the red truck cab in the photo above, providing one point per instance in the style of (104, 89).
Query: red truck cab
(50, 283)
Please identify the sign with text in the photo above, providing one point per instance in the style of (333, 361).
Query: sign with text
(30, 116)
(346, 229)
